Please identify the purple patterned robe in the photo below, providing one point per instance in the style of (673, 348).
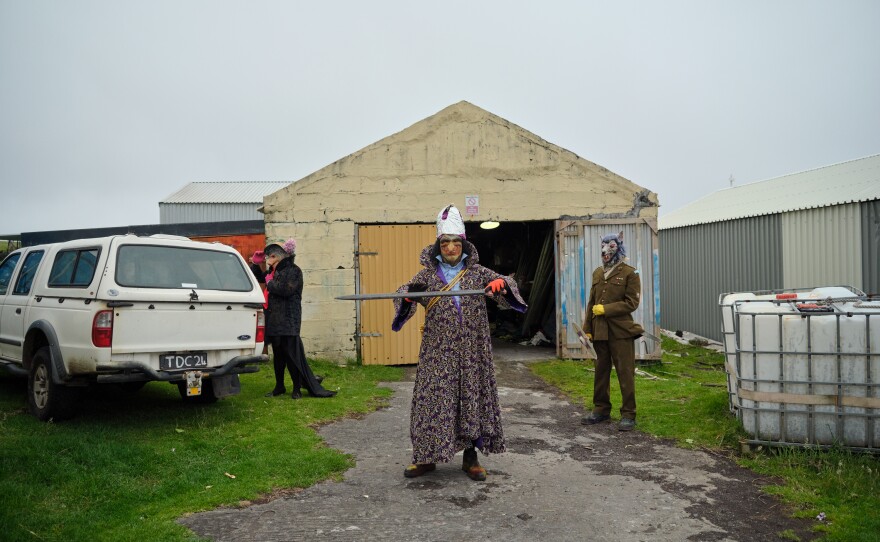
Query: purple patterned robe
(455, 398)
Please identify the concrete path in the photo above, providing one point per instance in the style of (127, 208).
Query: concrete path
(558, 481)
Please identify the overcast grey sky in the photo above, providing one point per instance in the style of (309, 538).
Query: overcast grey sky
(107, 107)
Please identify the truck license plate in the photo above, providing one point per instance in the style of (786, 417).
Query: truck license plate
(183, 362)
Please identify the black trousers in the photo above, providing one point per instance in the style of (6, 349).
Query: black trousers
(288, 352)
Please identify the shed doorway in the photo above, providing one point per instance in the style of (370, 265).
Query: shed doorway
(388, 256)
(523, 250)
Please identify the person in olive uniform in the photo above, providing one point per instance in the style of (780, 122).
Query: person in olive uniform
(614, 295)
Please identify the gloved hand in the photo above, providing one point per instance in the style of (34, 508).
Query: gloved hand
(585, 337)
(415, 287)
(270, 276)
(497, 285)
(598, 310)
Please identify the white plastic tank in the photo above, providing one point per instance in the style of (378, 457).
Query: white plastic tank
(804, 367)
(758, 325)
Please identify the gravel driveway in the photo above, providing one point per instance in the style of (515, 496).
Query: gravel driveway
(559, 480)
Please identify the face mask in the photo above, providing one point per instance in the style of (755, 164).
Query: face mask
(450, 249)
(609, 251)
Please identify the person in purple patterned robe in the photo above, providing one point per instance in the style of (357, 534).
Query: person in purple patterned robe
(455, 398)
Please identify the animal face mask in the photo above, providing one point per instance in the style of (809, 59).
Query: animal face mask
(612, 249)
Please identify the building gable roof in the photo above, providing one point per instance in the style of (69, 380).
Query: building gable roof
(478, 142)
(848, 182)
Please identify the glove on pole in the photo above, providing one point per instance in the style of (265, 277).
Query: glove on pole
(497, 285)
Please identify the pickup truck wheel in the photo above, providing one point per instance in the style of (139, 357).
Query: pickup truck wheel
(46, 399)
(207, 396)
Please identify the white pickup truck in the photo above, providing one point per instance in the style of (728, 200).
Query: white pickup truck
(128, 310)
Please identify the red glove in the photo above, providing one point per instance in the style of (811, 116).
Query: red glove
(497, 285)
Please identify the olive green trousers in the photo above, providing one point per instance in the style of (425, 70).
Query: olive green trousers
(621, 353)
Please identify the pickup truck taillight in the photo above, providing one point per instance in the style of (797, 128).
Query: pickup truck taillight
(261, 327)
(102, 329)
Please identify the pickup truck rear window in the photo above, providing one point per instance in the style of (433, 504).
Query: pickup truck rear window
(147, 266)
(73, 268)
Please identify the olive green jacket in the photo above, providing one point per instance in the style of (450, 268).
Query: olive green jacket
(620, 294)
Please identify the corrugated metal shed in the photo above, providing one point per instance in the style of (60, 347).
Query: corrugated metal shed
(216, 202)
(816, 228)
(224, 192)
(849, 182)
(701, 262)
(871, 246)
(821, 247)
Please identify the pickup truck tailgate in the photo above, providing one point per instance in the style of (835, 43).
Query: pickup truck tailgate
(182, 327)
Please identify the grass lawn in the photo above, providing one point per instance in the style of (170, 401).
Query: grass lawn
(128, 466)
(688, 403)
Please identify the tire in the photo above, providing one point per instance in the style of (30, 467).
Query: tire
(46, 399)
(207, 397)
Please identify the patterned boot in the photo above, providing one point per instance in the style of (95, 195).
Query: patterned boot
(471, 466)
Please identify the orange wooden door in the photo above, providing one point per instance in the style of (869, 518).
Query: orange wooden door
(388, 256)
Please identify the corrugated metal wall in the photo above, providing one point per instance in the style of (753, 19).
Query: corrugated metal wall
(870, 213)
(184, 213)
(822, 247)
(572, 288)
(578, 253)
(701, 262)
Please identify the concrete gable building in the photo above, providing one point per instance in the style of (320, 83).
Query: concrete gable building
(551, 204)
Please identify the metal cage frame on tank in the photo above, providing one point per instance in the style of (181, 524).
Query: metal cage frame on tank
(803, 366)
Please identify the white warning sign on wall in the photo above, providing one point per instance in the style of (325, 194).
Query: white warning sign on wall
(472, 205)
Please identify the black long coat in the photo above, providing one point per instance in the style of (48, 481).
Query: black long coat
(284, 315)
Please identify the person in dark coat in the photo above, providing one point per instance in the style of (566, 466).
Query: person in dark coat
(283, 319)
(455, 399)
(614, 294)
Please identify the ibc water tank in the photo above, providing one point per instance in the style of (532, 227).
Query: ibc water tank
(805, 369)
